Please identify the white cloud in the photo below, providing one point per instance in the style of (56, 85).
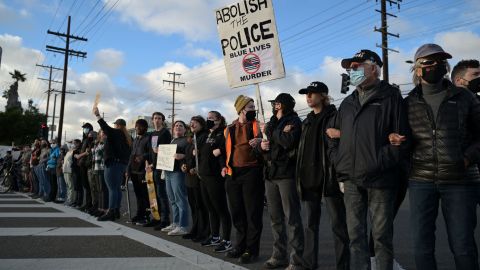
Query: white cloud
(461, 45)
(108, 60)
(195, 19)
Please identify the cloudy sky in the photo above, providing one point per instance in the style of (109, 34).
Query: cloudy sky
(133, 44)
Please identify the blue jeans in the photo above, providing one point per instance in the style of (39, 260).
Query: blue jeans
(358, 202)
(162, 196)
(177, 195)
(62, 187)
(459, 213)
(114, 174)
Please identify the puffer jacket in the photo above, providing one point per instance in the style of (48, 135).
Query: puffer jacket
(363, 154)
(281, 159)
(439, 147)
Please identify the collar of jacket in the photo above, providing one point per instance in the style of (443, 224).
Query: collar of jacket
(452, 90)
(326, 111)
(382, 90)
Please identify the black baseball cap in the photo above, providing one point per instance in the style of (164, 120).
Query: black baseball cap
(87, 125)
(314, 87)
(361, 57)
(285, 99)
(120, 122)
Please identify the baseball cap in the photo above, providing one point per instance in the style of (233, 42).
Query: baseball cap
(361, 57)
(120, 122)
(87, 125)
(285, 99)
(314, 87)
(431, 49)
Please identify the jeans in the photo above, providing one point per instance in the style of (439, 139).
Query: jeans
(162, 197)
(177, 195)
(358, 202)
(336, 210)
(284, 209)
(114, 175)
(459, 213)
(62, 187)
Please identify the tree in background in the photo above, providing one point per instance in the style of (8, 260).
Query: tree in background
(12, 94)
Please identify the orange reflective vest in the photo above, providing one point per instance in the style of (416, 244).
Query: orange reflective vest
(228, 143)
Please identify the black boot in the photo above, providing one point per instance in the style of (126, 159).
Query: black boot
(116, 212)
(109, 216)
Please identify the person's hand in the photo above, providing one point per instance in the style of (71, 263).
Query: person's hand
(179, 156)
(95, 111)
(287, 128)
(396, 139)
(224, 171)
(342, 187)
(254, 142)
(194, 153)
(148, 167)
(265, 145)
(193, 171)
(76, 156)
(126, 175)
(155, 150)
(217, 152)
(333, 133)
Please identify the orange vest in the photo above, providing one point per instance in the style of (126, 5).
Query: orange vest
(228, 143)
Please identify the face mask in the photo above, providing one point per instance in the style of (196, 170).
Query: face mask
(210, 124)
(357, 77)
(251, 115)
(434, 74)
(86, 130)
(474, 85)
(53, 145)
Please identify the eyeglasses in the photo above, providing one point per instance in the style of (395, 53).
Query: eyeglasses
(355, 66)
(430, 62)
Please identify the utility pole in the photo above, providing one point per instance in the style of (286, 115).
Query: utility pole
(73, 92)
(49, 85)
(67, 52)
(385, 33)
(173, 82)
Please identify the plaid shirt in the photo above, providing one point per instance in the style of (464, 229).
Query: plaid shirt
(99, 164)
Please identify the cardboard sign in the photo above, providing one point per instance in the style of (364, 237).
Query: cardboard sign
(166, 157)
(249, 40)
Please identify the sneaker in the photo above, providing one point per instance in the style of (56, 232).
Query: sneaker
(178, 231)
(247, 257)
(169, 228)
(224, 246)
(140, 222)
(212, 241)
(295, 267)
(274, 263)
(234, 253)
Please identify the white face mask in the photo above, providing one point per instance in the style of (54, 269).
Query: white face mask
(86, 130)
(53, 145)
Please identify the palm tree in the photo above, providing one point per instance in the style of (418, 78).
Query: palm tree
(18, 76)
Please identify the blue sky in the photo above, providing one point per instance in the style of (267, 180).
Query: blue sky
(134, 45)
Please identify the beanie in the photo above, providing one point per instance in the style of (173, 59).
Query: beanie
(241, 102)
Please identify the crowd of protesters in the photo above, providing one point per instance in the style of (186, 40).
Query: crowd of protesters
(359, 159)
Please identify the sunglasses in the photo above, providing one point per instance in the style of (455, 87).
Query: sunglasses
(429, 62)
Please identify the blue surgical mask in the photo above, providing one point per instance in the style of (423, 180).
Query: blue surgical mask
(86, 130)
(357, 76)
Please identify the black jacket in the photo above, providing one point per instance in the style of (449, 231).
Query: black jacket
(314, 172)
(281, 159)
(364, 154)
(140, 153)
(116, 146)
(439, 147)
(209, 164)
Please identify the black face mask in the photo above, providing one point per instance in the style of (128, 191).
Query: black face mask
(474, 85)
(434, 74)
(251, 115)
(210, 124)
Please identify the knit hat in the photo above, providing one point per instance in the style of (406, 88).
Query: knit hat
(241, 102)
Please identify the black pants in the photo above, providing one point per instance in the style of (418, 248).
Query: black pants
(200, 224)
(83, 182)
(52, 178)
(245, 191)
(336, 210)
(141, 193)
(214, 197)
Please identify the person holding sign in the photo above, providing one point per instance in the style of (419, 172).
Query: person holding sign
(283, 132)
(175, 182)
(160, 135)
(116, 153)
(244, 184)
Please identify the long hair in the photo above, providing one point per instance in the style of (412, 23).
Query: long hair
(223, 122)
(127, 135)
(417, 80)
